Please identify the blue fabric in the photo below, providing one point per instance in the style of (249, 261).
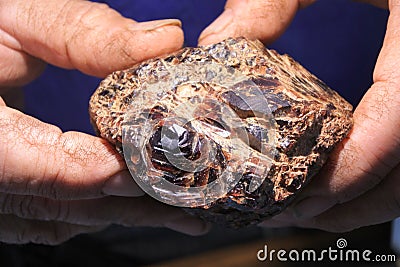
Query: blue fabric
(337, 40)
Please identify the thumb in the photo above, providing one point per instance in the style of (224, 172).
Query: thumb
(84, 35)
(257, 19)
(38, 159)
(371, 151)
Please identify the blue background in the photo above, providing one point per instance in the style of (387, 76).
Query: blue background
(337, 40)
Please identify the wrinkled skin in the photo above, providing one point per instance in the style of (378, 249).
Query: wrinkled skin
(52, 183)
(55, 185)
(360, 185)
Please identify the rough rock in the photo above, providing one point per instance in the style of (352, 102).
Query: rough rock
(292, 121)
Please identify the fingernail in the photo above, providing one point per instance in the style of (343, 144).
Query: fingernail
(9, 41)
(122, 184)
(189, 225)
(312, 206)
(223, 21)
(156, 24)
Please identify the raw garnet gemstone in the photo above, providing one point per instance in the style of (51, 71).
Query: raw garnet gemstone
(285, 119)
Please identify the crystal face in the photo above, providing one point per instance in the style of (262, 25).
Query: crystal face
(189, 122)
(191, 135)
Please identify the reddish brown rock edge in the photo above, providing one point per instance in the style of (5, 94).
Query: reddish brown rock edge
(310, 118)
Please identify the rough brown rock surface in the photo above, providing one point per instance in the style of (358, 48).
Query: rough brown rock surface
(308, 119)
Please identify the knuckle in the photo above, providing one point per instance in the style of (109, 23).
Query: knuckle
(380, 103)
(73, 155)
(87, 28)
(119, 40)
(18, 68)
(347, 185)
(88, 13)
(17, 230)
(33, 207)
(82, 18)
(22, 134)
(84, 153)
(80, 156)
(115, 47)
(23, 206)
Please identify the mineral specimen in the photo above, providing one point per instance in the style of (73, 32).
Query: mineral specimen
(246, 124)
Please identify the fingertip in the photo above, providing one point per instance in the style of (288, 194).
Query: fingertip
(157, 24)
(122, 184)
(257, 19)
(156, 38)
(218, 30)
(134, 44)
(189, 225)
(88, 36)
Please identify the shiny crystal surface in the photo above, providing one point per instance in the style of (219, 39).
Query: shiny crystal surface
(191, 146)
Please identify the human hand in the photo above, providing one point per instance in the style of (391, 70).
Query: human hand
(55, 185)
(359, 185)
(265, 20)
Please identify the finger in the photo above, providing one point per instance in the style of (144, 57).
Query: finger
(258, 19)
(390, 53)
(38, 159)
(122, 184)
(16, 230)
(142, 211)
(272, 223)
(17, 68)
(84, 35)
(372, 148)
(381, 204)
(378, 3)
